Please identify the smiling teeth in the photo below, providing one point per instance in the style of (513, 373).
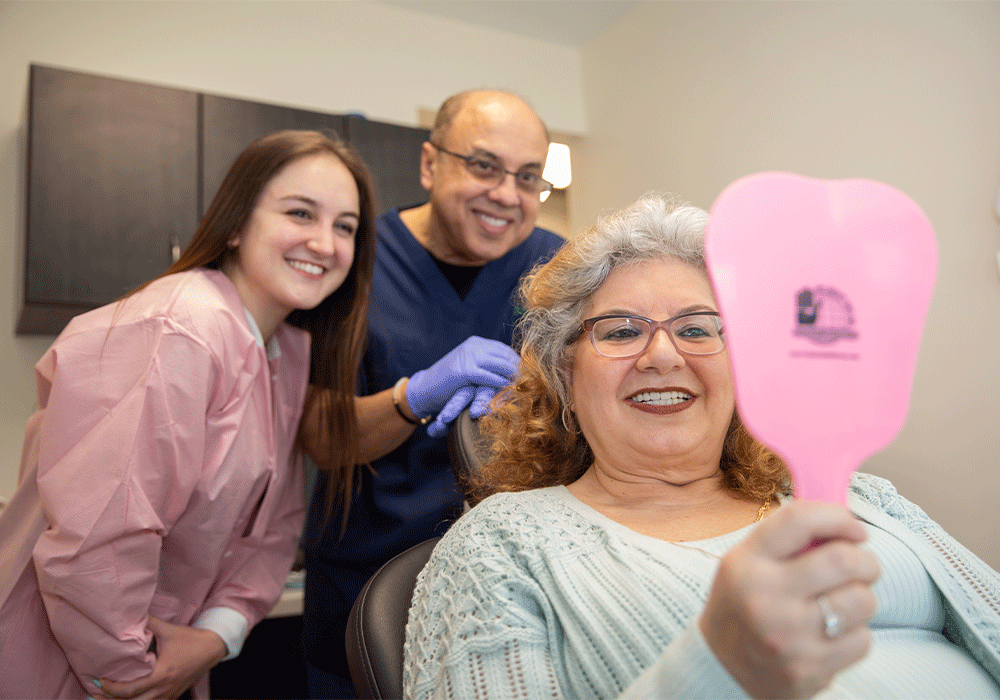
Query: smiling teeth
(306, 267)
(662, 398)
(492, 220)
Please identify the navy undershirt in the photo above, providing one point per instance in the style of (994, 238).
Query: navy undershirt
(461, 277)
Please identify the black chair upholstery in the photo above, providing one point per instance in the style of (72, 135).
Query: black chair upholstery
(376, 627)
(467, 449)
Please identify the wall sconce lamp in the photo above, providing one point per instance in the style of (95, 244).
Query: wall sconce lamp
(557, 167)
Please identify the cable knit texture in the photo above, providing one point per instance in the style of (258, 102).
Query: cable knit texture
(528, 596)
(971, 588)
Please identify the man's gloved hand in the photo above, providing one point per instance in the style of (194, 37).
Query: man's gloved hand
(472, 372)
(480, 398)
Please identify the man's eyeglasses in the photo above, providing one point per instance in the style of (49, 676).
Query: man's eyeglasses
(488, 171)
(697, 333)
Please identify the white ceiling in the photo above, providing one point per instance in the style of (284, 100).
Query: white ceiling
(566, 22)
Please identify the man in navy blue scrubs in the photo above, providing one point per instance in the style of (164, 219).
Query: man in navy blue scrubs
(441, 318)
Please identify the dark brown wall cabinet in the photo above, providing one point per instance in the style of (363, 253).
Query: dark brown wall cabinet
(120, 172)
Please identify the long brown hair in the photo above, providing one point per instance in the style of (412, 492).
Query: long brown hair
(534, 437)
(338, 326)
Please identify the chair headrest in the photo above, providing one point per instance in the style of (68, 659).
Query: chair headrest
(467, 449)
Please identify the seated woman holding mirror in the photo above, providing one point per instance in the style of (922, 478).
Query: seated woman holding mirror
(630, 539)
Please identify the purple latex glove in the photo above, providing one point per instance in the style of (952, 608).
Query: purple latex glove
(479, 397)
(471, 373)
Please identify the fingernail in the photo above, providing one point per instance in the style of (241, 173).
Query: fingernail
(91, 697)
(98, 683)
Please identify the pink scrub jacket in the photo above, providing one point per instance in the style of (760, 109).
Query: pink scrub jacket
(159, 477)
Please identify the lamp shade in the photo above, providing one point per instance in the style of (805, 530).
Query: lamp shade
(557, 167)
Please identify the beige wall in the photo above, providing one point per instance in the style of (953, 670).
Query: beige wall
(681, 96)
(337, 56)
(689, 96)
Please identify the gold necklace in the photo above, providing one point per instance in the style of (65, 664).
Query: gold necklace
(760, 516)
(763, 509)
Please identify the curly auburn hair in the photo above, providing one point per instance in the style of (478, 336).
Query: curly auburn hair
(534, 440)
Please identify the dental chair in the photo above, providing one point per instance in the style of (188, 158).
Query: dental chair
(376, 627)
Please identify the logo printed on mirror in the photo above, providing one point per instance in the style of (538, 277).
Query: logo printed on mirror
(824, 315)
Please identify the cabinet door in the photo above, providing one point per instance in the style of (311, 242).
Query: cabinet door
(230, 125)
(112, 183)
(392, 153)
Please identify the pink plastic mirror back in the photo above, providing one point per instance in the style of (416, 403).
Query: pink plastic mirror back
(823, 286)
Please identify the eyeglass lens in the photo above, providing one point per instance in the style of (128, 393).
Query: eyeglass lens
(624, 336)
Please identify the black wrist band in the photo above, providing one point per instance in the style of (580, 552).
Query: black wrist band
(399, 409)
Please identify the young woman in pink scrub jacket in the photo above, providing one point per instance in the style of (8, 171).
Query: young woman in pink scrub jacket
(161, 494)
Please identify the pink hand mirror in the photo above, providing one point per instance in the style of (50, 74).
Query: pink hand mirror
(823, 287)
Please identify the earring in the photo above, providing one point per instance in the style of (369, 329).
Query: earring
(565, 422)
(232, 245)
